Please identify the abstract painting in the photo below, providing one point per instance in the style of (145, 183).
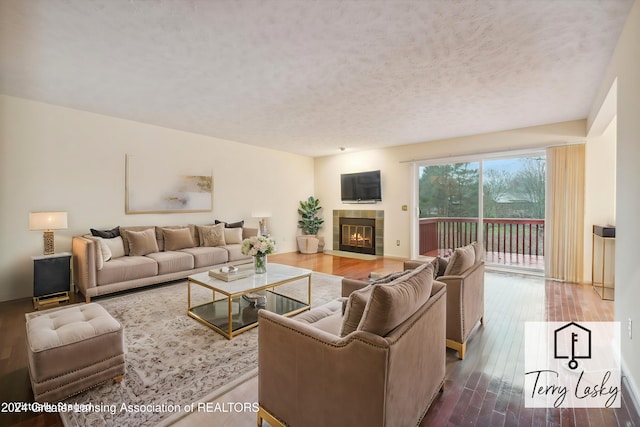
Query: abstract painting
(153, 187)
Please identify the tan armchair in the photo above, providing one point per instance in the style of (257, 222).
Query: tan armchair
(465, 296)
(309, 375)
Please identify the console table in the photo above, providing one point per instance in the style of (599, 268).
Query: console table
(602, 261)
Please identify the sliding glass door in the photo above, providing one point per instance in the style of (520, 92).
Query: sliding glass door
(448, 206)
(507, 217)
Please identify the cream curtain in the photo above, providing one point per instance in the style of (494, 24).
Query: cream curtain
(565, 213)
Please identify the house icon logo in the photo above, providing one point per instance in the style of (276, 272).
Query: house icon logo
(572, 341)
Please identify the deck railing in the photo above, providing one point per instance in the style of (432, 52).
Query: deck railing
(501, 235)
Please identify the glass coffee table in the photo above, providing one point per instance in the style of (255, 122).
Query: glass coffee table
(235, 312)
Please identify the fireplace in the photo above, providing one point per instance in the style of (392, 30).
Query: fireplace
(360, 231)
(358, 235)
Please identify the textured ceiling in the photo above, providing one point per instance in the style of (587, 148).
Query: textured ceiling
(311, 76)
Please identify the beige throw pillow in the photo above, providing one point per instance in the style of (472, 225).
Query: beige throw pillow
(142, 242)
(212, 235)
(177, 238)
(461, 260)
(232, 235)
(116, 246)
(390, 305)
(353, 311)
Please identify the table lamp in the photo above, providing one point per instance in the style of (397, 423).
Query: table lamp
(47, 221)
(262, 221)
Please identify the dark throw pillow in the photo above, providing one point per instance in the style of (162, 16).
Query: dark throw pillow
(238, 224)
(106, 234)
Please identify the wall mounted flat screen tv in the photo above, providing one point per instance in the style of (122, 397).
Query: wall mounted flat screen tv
(361, 187)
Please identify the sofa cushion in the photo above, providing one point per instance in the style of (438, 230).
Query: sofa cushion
(206, 256)
(390, 305)
(461, 260)
(177, 238)
(232, 236)
(172, 261)
(142, 242)
(235, 252)
(126, 268)
(327, 317)
(211, 235)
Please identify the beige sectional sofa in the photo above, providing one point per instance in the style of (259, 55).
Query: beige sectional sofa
(145, 255)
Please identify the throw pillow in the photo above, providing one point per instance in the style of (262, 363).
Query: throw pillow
(390, 305)
(358, 299)
(460, 261)
(478, 251)
(389, 277)
(195, 235)
(232, 235)
(211, 235)
(436, 266)
(101, 254)
(353, 311)
(125, 235)
(177, 238)
(116, 246)
(442, 266)
(106, 234)
(237, 224)
(142, 242)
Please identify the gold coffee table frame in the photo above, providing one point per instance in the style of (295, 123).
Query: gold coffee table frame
(219, 315)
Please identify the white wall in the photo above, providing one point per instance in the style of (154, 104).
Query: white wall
(625, 68)
(395, 166)
(54, 158)
(600, 195)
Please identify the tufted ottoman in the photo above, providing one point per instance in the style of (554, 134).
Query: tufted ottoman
(73, 349)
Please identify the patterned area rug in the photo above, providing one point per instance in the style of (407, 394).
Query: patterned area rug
(173, 360)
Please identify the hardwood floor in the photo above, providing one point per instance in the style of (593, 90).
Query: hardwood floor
(485, 389)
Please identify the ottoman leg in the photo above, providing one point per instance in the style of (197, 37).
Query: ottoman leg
(118, 379)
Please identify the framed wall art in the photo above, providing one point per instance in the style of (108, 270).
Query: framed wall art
(153, 187)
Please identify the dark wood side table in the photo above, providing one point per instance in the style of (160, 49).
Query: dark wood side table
(51, 279)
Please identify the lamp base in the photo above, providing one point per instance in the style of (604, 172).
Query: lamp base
(49, 248)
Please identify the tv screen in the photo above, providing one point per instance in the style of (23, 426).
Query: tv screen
(362, 186)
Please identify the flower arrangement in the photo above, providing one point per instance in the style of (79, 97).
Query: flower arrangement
(258, 246)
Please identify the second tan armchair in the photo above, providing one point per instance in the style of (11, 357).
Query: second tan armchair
(464, 278)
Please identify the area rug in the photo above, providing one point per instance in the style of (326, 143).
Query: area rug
(173, 360)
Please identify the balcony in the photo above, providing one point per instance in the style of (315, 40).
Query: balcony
(509, 242)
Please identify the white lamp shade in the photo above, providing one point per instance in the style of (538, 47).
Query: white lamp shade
(261, 214)
(47, 220)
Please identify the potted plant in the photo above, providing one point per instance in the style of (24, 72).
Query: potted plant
(309, 223)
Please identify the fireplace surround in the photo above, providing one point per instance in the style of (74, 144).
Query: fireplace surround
(359, 231)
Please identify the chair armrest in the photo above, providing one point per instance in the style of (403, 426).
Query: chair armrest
(302, 372)
(350, 285)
